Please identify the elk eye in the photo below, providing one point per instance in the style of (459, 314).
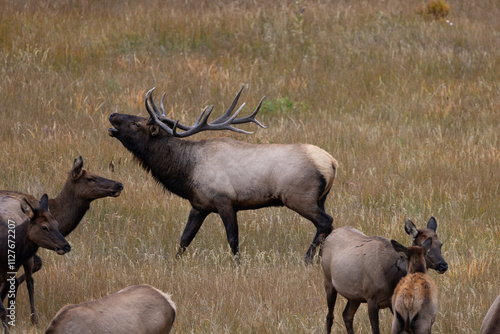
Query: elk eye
(45, 228)
(90, 179)
(136, 124)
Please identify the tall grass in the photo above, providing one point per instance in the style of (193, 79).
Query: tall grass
(409, 106)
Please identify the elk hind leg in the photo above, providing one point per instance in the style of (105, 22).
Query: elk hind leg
(229, 218)
(348, 315)
(331, 298)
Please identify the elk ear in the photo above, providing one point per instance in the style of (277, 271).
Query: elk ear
(427, 244)
(432, 224)
(44, 202)
(411, 229)
(154, 129)
(400, 248)
(77, 168)
(27, 209)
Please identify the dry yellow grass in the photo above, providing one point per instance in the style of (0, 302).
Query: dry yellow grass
(408, 106)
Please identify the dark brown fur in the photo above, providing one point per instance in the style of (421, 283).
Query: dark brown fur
(39, 230)
(68, 208)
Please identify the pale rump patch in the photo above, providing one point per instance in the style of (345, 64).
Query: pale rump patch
(325, 163)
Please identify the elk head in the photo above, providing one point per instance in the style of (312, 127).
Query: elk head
(89, 186)
(433, 257)
(43, 229)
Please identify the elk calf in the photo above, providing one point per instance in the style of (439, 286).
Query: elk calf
(135, 309)
(366, 269)
(414, 302)
(22, 241)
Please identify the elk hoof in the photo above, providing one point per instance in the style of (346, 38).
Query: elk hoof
(34, 318)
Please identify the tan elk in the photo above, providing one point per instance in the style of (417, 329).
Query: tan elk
(223, 175)
(135, 309)
(491, 322)
(68, 208)
(20, 242)
(367, 269)
(414, 302)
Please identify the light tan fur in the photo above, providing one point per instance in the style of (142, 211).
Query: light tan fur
(138, 309)
(414, 302)
(491, 322)
(324, 162)
(416, 294)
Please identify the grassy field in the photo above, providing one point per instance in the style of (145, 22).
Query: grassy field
(408, 105)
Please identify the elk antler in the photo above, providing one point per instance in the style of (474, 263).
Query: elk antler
(224, 122)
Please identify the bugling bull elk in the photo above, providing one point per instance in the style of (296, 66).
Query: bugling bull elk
(40, 229)
(68, 208)
(223, 175)
(414, 302)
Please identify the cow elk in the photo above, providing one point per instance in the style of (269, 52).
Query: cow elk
(18, 243)
(135, 309)
(68, 208)
(367, 269)
(223, 175)
(414, 302)
(491, 322)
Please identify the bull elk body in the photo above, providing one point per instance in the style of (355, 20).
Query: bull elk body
(223, 175)
(68, 208)
(367, 269)
(135, 309)
(39, 230)
(414, 302)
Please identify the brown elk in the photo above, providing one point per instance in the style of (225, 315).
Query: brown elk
(135, 309)
(223, 175)
(367, 269)
(414, 302)
(68, 208)
(491, 322)
(18, 243)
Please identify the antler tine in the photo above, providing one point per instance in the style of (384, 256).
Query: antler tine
(229, 110)
(251, 117)
(153, 115)
(162, 108)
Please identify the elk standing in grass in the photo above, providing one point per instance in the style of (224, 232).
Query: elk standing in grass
(135, 309)
(414, 302)
(367, 269)
(68, 208)
(223, 175)
(39, 230)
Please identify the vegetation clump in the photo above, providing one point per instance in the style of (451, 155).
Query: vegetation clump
(437, 9)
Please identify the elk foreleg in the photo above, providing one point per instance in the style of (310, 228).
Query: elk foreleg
(195, 220)
(30, 284)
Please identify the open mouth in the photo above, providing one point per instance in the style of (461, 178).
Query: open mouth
(112, 132)
(61, 251)
(116, 193)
